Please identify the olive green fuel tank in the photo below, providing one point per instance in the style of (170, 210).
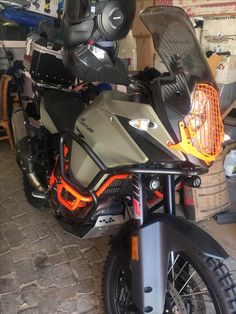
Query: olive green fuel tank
(101, 129)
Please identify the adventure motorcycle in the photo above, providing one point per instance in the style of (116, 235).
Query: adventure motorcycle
(105, 163)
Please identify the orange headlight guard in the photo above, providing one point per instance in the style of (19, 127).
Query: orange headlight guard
(202, 129)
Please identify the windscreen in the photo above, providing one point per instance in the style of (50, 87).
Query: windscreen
(175, 41)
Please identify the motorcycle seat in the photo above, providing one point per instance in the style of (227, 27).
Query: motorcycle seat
(63, 109)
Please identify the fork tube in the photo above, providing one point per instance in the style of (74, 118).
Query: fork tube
(169, 206)
(169, 194)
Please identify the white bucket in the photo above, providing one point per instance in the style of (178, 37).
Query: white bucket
(230, 164)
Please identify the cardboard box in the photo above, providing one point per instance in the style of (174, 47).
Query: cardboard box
(193, 7)
(163, 2)
(128, 51)
(139, 29)
(206, 7)
(219, 34)
(225, 25)
(130, 55)
(226, 70)
(213, 62)
(145, 53)
(202, 2)
(210, 10)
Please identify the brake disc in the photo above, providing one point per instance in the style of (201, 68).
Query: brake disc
(178, 304)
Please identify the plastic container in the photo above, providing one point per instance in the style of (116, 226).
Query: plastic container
(230, 164)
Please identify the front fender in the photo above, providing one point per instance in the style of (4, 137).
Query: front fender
(160, 236)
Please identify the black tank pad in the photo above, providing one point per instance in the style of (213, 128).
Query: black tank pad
(63, 109)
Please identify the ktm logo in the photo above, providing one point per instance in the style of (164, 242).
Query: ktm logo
(87, 127)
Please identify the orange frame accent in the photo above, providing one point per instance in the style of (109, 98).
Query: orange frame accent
(158, 195)
(81, 200)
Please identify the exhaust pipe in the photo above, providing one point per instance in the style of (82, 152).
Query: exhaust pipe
(23, 134)
(19, 122)
(33, 180)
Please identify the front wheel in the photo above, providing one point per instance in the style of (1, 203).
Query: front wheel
(196, 284)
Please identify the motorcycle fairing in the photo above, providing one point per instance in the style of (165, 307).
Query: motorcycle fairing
(160, 236)
(108, 109)
(190, 88)
(107, 181)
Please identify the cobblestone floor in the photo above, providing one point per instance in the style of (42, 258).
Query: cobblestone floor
(42, 268)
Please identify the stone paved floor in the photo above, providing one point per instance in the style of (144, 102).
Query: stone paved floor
(42, 268)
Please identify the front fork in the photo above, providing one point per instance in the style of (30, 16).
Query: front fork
(148, 249)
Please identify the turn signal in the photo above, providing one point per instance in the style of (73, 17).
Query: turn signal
(140, 124)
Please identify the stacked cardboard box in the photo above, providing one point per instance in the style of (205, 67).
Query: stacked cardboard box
(205, 7)
(128, 51)
(139, 29)
(145, 49)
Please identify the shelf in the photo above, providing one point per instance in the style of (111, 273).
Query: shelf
(14, 44)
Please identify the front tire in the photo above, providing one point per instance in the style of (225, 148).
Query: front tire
(209, 290)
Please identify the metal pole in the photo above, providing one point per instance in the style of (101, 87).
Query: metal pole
(169, 194)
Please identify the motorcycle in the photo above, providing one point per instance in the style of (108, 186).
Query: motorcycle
(109, 164)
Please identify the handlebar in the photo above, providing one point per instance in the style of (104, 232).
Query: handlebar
(58, 88)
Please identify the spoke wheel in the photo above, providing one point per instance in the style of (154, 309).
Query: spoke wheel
(195, 285)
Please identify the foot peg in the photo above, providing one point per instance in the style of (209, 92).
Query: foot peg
(41, 195)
